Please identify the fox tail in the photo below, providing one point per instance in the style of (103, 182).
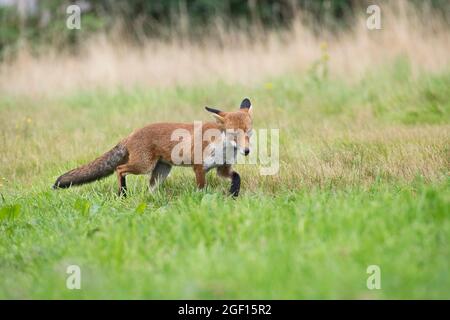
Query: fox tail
(101, 167)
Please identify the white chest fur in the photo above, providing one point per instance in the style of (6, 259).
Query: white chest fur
(219, 153)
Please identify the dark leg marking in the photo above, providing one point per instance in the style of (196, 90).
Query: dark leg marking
(235, 184)
(123, 187)
(160, 173)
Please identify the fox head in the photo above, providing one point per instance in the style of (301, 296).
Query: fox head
(236, 124)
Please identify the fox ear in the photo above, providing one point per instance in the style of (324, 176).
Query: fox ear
(246, 105)
(216, 114)
(219, 119)
(213, 110)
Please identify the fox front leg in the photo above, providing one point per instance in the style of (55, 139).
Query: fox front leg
(235, 184)
(200, 176)
(227, 172)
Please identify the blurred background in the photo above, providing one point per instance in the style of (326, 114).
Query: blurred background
(170, 42)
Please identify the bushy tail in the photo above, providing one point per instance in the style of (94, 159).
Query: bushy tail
(97, 169)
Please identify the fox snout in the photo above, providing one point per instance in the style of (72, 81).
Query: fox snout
(244, 151)
(244, 142)
(246, 145)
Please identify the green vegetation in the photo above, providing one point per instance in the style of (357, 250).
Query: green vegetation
(363, 181)
(299, 244)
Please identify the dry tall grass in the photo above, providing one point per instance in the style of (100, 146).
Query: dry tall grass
(105, 61)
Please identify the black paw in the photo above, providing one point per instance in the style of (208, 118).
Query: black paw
(235, 184)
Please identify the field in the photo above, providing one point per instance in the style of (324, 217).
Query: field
(363, 180)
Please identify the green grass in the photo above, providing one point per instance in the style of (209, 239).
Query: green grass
(363, 181)
(302, 244)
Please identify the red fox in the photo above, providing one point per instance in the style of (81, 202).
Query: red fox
(149, 150)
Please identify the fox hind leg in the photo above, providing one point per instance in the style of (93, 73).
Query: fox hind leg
(159, 174)
(132, 168)
(121, 178)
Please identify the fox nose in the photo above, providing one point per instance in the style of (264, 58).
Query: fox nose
(246, 151)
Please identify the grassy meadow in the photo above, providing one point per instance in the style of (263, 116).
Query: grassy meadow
(363, 179)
